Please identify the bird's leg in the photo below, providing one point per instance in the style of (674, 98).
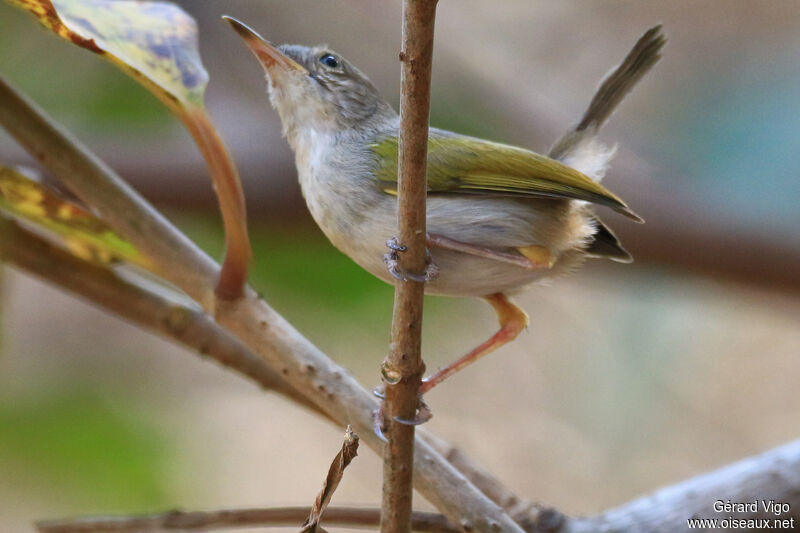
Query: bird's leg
(529, 257)
(392, 264)
(512, 321)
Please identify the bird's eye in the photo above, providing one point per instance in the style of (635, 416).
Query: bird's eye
(329, 60)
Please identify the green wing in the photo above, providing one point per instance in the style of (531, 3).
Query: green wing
(459, 164)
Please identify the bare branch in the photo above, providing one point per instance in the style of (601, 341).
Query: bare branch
(773, 475)
(161, 312)
(167, 314)
(236, 518)
(492, 487)
(403, 367)
(335, 473)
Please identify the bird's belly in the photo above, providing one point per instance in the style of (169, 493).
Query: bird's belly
(361, 231)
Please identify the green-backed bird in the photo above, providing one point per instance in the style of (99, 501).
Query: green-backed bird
(499, 218)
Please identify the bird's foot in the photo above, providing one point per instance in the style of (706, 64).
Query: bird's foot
(379, 425)
(422, 415)
(391, 259)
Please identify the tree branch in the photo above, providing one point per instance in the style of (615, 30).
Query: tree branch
(236, 518)
(773, 475)
(403, 367)
(256, 325)
(153, 308)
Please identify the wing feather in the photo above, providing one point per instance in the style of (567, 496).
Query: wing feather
(466, 165)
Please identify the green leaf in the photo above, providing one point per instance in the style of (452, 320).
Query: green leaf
(83, 234)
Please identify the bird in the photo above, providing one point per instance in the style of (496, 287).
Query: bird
(499, 217)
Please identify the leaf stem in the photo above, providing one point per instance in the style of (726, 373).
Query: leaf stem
(228, 188)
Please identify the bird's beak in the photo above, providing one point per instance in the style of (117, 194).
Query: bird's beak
(269, 56)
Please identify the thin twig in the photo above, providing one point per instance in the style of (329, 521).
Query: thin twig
(256, 325)
(403, 367)
(335, 473)
(236, 518)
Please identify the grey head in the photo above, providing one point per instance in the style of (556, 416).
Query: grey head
(314, 88)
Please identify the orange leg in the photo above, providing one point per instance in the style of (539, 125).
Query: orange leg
(512, 321)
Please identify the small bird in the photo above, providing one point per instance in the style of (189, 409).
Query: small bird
(499, 217)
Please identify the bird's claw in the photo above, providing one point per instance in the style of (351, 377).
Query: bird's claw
(379, 425)
(394, 245)
(424, 414)
(393, 265)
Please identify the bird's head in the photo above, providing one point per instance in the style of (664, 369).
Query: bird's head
(314, 88)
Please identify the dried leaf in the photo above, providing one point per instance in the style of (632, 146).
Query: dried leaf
(154, 42)
(83, 234)
(346, 454)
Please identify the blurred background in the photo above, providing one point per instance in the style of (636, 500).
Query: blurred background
(630, 377)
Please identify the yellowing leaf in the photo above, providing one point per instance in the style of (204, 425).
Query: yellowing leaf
(155, 42)
(82, 233)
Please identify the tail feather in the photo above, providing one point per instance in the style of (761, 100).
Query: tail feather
(605, 244)
(579, 147)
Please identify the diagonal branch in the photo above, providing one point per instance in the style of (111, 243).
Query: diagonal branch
(176, 258)
(151, 307)
(254, 323)
(160, 311)
(403, 366)
(773, 475)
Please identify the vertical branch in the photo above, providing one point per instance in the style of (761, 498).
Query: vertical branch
(403, 365)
